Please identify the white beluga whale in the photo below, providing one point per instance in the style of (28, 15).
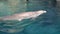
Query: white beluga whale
(19, 17)
(23, 15)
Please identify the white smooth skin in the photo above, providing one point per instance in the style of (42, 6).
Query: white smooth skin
(25, 15)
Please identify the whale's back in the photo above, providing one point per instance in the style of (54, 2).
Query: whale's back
(21, 16)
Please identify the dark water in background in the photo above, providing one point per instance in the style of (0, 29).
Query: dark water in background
(44, 24)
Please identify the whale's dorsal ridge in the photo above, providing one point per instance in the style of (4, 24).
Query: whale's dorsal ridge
(24, 15)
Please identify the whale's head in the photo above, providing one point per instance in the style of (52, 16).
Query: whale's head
(41, 11)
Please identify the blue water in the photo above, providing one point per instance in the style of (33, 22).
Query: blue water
(44, 24)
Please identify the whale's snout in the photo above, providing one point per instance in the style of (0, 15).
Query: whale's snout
(44, 11)
(41, 11)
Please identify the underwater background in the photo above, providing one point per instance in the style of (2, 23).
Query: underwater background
(45, 24)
